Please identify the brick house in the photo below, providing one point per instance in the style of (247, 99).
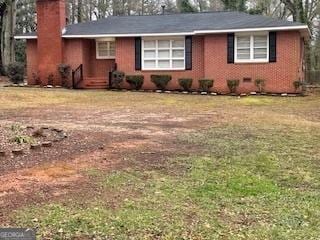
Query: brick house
(214, 45)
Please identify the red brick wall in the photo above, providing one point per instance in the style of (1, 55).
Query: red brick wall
(125, 52)
(51, 20)
(73, 52)
(96, 67)
(210, 61)
(32, 61)
(279, 76)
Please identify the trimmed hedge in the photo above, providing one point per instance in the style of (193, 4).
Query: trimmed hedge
(64, 71)
(135, 81)
(161, 81)
(117, 78)
(233, 85)
(205, 84)
(186, 83)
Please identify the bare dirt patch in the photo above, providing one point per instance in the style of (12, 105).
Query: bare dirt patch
(97, 139)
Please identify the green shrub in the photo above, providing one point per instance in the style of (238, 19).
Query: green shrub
(233, 85)
(16, 128)
(135, 81)
(185, 83)
(2, 71)
(117, 78)
(51, 79)
(65, 71)
(161, 81)
(297, 85)
(260, 84)
(21, 139)
(15, 72)
(205, 84)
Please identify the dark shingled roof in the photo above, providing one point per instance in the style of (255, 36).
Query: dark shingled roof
(175, 23)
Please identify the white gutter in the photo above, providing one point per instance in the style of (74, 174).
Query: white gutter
(197, 32)
(130, 35)
(253, 29)
(25, 37)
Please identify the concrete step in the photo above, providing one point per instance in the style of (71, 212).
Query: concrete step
(95, 83)
(95, 87)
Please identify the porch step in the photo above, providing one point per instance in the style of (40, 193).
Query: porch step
(95, 82)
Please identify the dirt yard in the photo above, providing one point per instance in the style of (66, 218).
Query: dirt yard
(153, 166)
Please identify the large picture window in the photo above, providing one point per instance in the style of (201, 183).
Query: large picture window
(163, 54)
(252, 48)
(106, 49)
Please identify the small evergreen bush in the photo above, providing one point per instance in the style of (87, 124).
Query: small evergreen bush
(233, 85)
(65, 71)
(15, 72)
(50, 79)
(260, 84)
(161, 81)
(297, 85)
(185, 83)
(205, 84)
(117, 78)
(135, 81)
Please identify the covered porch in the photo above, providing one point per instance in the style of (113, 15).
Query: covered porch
(91, 61)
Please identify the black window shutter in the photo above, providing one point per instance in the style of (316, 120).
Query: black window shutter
(188, 53)
(138, 53)
(272, 47)
(230, 47)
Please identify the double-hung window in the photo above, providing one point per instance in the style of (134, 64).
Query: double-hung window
(252, 48)
(163, 54)
(106, 49)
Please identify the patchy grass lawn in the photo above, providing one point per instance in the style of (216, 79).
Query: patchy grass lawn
(253, 171)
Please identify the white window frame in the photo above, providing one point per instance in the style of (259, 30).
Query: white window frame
(252, 59)
(107, 40)
(156, 49)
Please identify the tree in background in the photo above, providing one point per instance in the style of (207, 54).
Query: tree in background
(184, 6)
(170, 6)
(202, 5)
(235, 5)
(7, 31)
(316, 51)
(273, 8)
(215, 5)
(305, 11)
(19, 16)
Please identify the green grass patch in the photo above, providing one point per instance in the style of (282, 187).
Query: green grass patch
(255, 175)
(213, 198)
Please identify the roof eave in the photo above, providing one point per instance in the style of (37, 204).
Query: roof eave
(303, 29)
(238, 30)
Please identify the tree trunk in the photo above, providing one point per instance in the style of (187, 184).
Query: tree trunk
(7, 33)
(80, 11)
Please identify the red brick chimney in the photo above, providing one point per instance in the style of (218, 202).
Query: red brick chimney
(51, 19)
